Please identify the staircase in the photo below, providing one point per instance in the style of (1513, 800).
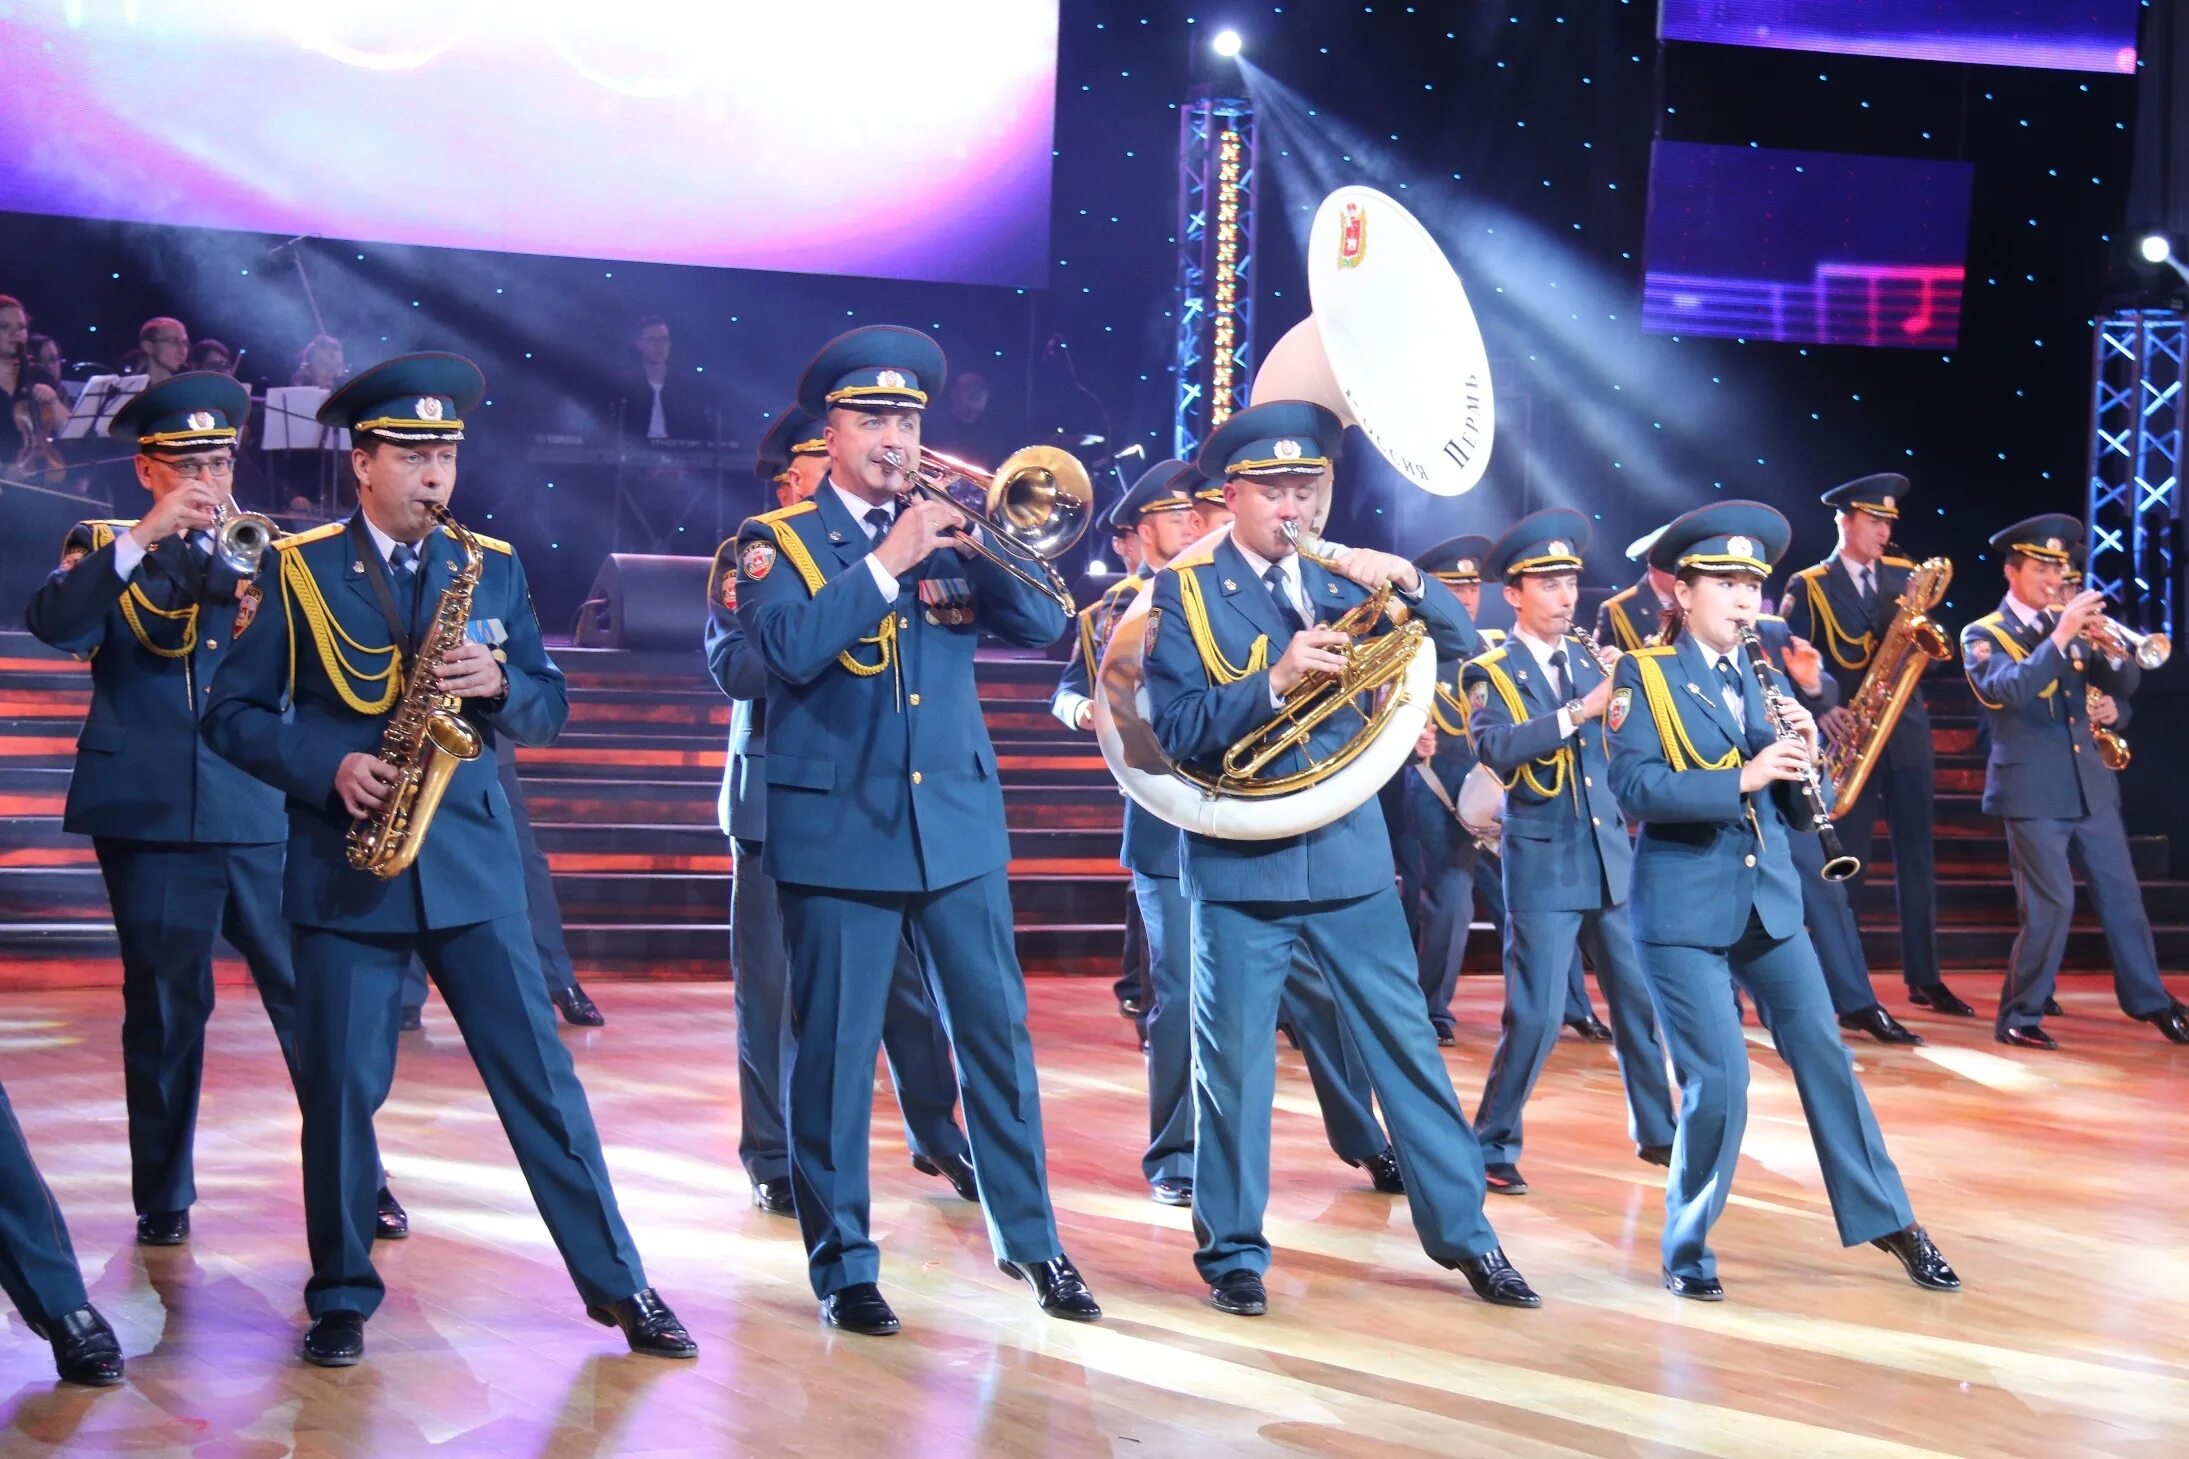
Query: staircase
(623, 805)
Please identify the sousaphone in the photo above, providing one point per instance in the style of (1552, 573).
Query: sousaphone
(1391, 346)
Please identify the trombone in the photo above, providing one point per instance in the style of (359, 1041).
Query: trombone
(1034, 505)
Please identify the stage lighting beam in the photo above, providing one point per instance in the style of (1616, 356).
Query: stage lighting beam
(1226, 44)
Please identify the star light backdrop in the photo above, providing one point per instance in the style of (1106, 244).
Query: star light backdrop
(1521, 135)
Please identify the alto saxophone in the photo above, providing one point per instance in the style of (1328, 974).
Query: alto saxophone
(427, 737)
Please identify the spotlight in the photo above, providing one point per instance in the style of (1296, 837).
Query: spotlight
(1226, 44)
(2155, 248)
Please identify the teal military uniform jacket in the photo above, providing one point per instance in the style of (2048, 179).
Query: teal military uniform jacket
(1823, 606)
(2043, 763)
(154, 643)
(881, 776)
(1707, 854)
(312, 681)
(1212, 632)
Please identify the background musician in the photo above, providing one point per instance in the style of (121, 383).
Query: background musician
(1534, 706)
(794, 457)
(1229, 634)
(2031, 665)
(306, 709)
(1844, 605)
(1630, 617)
(1697, 759)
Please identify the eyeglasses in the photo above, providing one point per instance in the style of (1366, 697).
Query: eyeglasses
(200, 468)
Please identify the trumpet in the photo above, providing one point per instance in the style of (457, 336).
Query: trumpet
(1839, 864)
(2117, 640)
(1034, 506)
(240, 539)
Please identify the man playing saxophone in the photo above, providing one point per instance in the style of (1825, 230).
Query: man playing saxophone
(1845, 605)
(302, 704)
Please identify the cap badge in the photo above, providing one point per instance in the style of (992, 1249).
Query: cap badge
(1286, 450)
(2053, 543)
(200, 420)
(429, 407)
(890, 380)
(1740, 547)
(1464, 565)
(1887, 504)
(1558, 547)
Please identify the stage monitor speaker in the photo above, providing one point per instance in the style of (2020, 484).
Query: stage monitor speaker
(642, 600)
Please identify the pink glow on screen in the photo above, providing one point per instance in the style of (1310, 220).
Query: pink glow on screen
(897, 143)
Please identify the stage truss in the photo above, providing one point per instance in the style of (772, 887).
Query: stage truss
(1215, 308)
(2135, 464)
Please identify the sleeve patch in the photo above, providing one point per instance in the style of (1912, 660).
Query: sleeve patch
(756, 563)
(1478, 694)
(1616, 714)
(1979, 649)
(247, 600)
(1147, 631)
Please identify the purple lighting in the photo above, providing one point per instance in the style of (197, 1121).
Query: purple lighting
(2059, 35)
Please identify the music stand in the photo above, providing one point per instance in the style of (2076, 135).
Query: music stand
(289, 422)
(102, 399)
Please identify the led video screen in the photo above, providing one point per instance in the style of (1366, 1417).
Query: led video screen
(2060, 35)
(1812, 247)
(676, 131)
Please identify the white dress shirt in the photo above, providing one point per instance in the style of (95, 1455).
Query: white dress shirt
(1542, 649)
(859, 506)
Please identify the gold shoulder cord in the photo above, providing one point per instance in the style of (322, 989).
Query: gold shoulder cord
(1219, 669)
(134, 603)
(300, 592)
(1857, 648)
(1680, 751)
(1997, 629)
(1557, 763)
(884, 638)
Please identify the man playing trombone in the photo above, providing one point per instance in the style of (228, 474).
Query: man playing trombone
(2031, 665)
(1233, 630)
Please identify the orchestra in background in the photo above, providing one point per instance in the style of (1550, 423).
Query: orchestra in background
(321, 723)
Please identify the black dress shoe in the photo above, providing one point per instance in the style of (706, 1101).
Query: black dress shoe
(1058, 1287)
(648, 1325)
(954, 1168)
(773, 1196)
(1939, 998)
(1695, 1289)
(1240, 1293)
(859, 1308)
(1880, 1025)
(1919, 1254)
(1131, 1006)
(1383, 1172)
(1495, 1281)
(2052, 1009)
(2031, 1037)
(577, 1009)
(1446, 1038)
(414, 1019)
(85, 1349)
(1504, 1179)
(337, 1340)
(163, 1228)
(1171, 1192)
(1654, 1155)
(1590, 1028)
(390, 1222)
(2173, 1022)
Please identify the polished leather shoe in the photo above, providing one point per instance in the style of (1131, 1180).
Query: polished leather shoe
(954, 1168)
(163, 1228)
(1939, 998)
(1171, 1192)
(1504, 1179)
(1132, 1006)
(1654, 1155)
(85, 1349)
(860, 1308)
(1590, 1028)
(1695, 1289)
(1383, 1173)
(1057, 1285)
(773, 1196)
(1919, 1254)
(2031, 1037)
(390, 1222)
(1446, 1038)
(1880, 1025)
(2173, 1022)
(413, 1020)
(577, 1008)
(1495, 1281)
(337, 1340)
(1240, 1293)
(2052, 1009)
(648, 1325)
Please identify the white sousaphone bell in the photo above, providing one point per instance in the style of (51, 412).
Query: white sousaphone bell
(1391, 346)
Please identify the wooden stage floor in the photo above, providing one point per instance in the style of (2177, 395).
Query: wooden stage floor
(2058, 1185)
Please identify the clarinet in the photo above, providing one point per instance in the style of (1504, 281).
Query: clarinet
(1838, 864)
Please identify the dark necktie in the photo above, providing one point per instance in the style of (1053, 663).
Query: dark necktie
(877, 521)
(1275, 578)
(1560, 685)
(1731, 674)
(404, 561)
(1866, 583)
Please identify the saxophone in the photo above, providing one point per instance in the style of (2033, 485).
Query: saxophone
(427, 737)
(1912, 641)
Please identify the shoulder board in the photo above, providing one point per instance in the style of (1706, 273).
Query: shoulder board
(1815, 570)
(784, 514)
(312, 534)
(1491, 635)
(1769, 618)
(1492, 656)
(1623, 594)
(1988, 620)
(1897, 562)
(119, 524)
(491, 544)
(1655, 651)
(1198, 559)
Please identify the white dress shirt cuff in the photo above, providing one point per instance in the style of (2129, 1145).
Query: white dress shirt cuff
(883, 577)
(127, 556)
(1566, 725)
(1067, 706)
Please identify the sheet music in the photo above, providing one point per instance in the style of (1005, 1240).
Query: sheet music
(286, 421)
(103, 396)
